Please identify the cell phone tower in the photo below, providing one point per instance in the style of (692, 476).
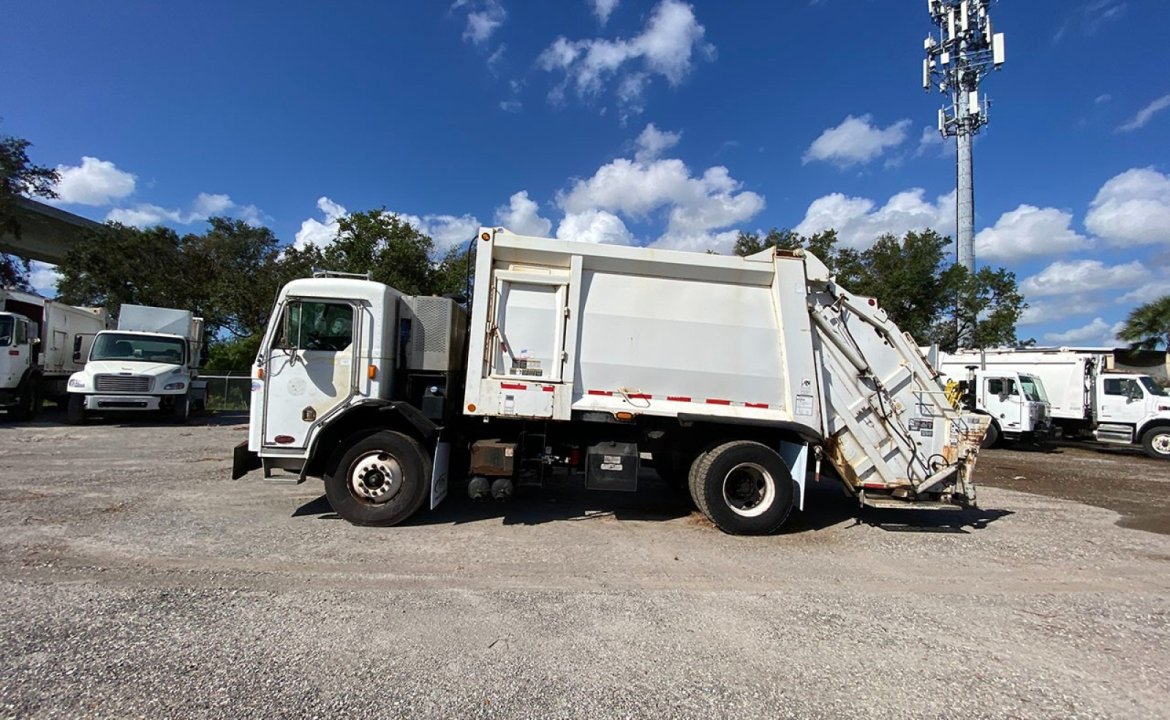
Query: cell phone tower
(956, 62)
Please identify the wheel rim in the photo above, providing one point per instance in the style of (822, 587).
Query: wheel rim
(375, 477)
(749, 490)
(1161, 443)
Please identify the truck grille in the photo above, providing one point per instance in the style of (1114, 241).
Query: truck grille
(122, 383)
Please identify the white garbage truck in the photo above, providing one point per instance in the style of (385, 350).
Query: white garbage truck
(149, 363)
(37, 337)
(1014, 399)
(1088, 398)
(739, 378)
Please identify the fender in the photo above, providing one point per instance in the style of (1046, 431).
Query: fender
(364, 417)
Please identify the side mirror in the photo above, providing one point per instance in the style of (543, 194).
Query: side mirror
(34, 342)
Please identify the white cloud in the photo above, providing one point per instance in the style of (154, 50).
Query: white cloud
(594, 226)
(1029, 231)
(1066, 278)
(204, 206)
(652, 142)
(858, 221)
(43, 278)
(511, 105)
(855, 141)
(484, 17)
(522, 215)
(1102, 99)
(1149, 292)
(1097, 333)
(603, 8)
(94, 182)
(1145, 114)
(932, 142)
(666, 47)
(317, 232)
(1132, 208)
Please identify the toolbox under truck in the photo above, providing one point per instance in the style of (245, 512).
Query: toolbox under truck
(1088, 398)
(149, 363)
(37, 337)
(739, 376)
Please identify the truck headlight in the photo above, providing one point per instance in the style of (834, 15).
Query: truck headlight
(74, 382)
(175, 386)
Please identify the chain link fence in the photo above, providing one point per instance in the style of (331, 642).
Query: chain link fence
(228, 392)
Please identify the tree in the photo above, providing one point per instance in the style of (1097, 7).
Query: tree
(18, 176)
(986, 306)
(117, 264)
(453, 274)
(231, 274)
(1148, 326)
(751, 243)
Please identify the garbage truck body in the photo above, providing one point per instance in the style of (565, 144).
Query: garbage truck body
(740, 378)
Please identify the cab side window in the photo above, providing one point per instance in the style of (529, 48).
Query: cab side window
(316, 326)
(1125, 387)
(1001, 386)
(21, 333)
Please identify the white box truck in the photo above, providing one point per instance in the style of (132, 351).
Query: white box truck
(149, 363)
(1014, 400)
(1087, 397)
(738, 376)
(37, 337)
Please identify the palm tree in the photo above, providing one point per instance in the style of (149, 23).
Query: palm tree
(1148, 326)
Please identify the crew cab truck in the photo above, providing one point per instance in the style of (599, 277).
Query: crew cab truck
(1087, 397)
(37, 336)
(149, 363)
(1015, 401)
(739, 376)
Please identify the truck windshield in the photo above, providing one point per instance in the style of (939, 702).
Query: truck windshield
(1033, 388)
(138, 348)
(6, 327)
(1146, 380)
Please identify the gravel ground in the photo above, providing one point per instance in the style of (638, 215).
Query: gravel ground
(138, 580)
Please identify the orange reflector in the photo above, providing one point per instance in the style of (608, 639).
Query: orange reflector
(372, 372)
(624, 416)
(471, 407)
(260, 373)
(485, 237)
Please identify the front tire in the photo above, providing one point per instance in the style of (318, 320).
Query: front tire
(992, 437)
(381, 479)
(181, 409)
(75, 409)
(1156, 442)
(29, 403)
(743, 487)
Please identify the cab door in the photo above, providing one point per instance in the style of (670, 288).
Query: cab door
(310, 368)
(1121, 400)
(1001, 400)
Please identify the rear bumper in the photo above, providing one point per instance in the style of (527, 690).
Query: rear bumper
(243, 461)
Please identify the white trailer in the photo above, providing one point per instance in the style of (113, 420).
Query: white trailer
(738, 376)
(37, 336)
(149, 363)
(1015, 401)
(1087, 397)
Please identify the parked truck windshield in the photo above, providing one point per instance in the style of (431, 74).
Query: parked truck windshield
(1147, 382)
(1033, 388)
(6, 327)
(140, 348)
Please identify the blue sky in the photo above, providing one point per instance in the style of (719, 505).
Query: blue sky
(656, 122)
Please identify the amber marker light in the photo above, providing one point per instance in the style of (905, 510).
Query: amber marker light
(471, 407)
(372, 372)
(624, 416)
(260, 373)
(485, 237)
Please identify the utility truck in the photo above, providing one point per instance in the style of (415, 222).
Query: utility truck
(740, 377)
(1014, 400)
(149, 363)
(37, 337)
(1087, 397)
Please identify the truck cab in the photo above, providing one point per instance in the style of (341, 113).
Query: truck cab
(1132, 408)
(18, 350)
(1015, 401)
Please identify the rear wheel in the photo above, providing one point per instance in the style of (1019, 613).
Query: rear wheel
(743, 487)
(381, 479)
(75, 409)
(1156, 442)
(29, 402)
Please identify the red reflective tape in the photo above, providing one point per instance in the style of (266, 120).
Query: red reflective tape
(678, 398)
(607, 393)
(548, 388)
(763, 406)
(639, 396)
(874, 486)
(513, 386)
(716, 401)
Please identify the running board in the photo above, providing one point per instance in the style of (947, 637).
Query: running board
(890, 503)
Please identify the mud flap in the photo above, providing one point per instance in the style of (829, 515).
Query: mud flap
(439, 479)
(243, 461)
(795, 456)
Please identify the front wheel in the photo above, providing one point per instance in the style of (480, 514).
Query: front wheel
(743, 487)
(381, 479)
(992, 437)
(181, 409)
(1156, 442)
(29, 402)
(75, 409)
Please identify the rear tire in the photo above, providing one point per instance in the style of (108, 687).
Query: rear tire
(29, 403)
(1156, 442)
(381, 479)
(992, 437)
(75, 409)
(744, 487)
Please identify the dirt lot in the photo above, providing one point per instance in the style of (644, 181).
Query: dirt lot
(138, 580)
